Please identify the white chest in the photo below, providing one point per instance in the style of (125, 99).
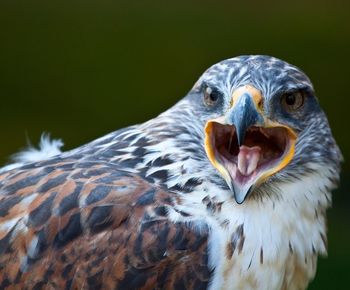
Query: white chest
(271, 244)
(247, 262)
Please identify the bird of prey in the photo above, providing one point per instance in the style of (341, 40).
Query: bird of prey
(227, 189)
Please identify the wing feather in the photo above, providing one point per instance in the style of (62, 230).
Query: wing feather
(66, 225)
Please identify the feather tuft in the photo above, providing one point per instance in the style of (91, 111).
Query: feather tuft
(47, 148)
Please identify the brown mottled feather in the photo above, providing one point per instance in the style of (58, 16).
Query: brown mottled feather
(68, 226)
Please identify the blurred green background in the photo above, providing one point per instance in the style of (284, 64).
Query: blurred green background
(80, 69)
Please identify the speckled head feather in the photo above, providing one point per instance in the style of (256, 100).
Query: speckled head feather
(225, 190)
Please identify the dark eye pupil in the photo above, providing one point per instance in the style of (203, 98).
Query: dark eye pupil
(213, 97)
(290, 100)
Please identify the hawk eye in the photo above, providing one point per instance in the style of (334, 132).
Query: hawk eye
(211, 96)
(292, 101)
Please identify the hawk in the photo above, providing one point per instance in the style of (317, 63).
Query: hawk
(227, 189)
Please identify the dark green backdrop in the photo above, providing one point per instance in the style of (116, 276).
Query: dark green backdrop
(80, 69)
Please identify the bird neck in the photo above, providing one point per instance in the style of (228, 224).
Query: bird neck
(167, 150)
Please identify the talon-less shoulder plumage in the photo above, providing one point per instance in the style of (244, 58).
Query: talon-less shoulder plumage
(226, 190)
(70, 224)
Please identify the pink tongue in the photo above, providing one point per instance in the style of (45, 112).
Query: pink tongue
(248, 158)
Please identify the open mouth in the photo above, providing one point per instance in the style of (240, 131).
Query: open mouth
(264, 151)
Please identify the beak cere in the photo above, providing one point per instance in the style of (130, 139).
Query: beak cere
(244, 163)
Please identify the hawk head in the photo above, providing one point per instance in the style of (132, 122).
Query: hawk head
(262, 125)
